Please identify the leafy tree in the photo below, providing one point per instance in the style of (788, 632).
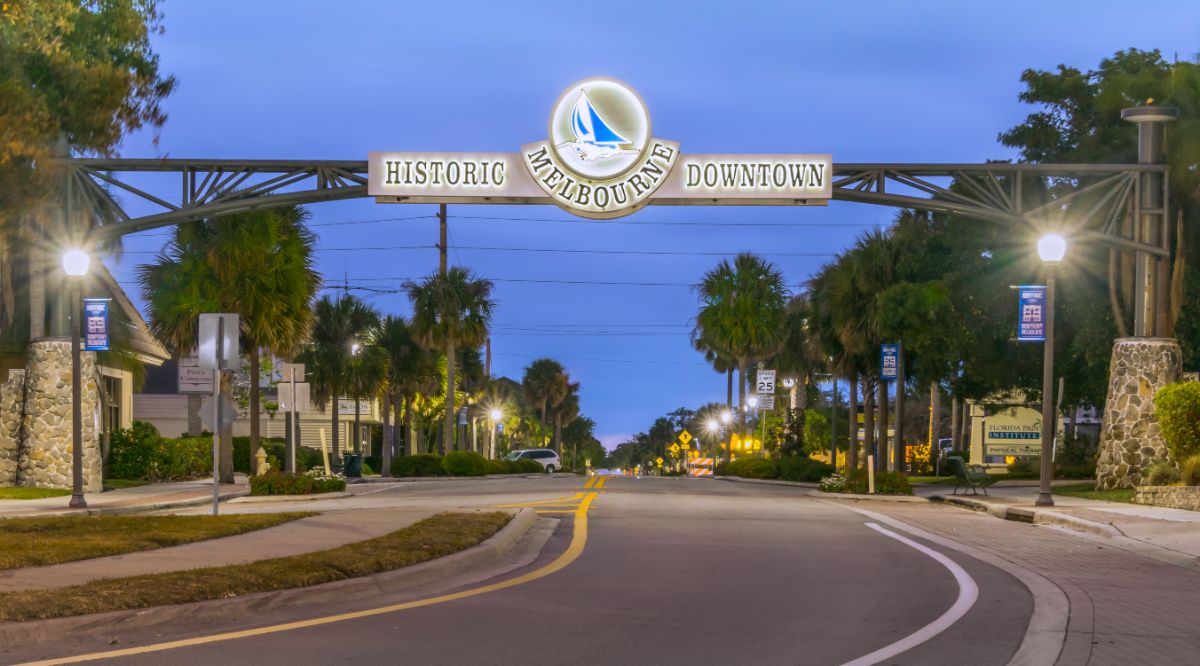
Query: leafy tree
(338, 324)
(743, 305)
(256, 263)
(451, 310)
(545, 383)
(410, 370)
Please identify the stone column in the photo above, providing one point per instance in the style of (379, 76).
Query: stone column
(12, 403)
(1130, 439)
(45, 456)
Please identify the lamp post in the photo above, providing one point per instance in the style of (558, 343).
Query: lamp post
(75, 265)
(1051, 248)
(494, 418)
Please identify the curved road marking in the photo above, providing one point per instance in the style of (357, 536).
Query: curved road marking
(968, 592)
(572, 553)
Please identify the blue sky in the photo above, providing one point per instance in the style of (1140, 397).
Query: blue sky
(867, 82)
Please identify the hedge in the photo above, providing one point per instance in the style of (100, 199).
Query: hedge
(286, 483)
(141, 452)
(464, 463)
(422, 464)
(1177, 408)
(790, 468)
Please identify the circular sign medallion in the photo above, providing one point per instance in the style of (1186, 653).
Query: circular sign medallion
(599, 128)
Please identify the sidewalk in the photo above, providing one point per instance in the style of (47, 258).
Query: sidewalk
(320, 532)
(1173, 530)
(149, 497)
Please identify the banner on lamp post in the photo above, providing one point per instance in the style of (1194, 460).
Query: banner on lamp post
(889, 362)
(1031, 308)
(95, 319)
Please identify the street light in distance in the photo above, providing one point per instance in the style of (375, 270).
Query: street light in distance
(75, 264)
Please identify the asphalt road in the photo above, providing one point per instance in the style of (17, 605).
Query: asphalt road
(673, 571)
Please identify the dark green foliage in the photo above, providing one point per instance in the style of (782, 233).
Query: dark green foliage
(141, 453)
(276, 448)
(1189, 471)
(886, 483)
(500, 467)
(424, 464)
(529, 467)
(754, 468)
(286, 483)
(372, 463)
(1074, 471)
(799, 468)
(1161, 473)
(464, 463)
(1025, 468)
(1177, 407)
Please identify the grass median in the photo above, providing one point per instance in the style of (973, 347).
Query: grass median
(434, 537)
(1088, 491)
(35, 542)
(20, 493)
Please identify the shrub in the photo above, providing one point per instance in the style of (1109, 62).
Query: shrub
(464, 463)
(1075, 471)
(528, 467)
(1161, 473)
(286, 483)
(372, 463)
(800, 468)
(367, 469)
(184, 458)
(1177, 408)
(1189, 471)
(500, 467)
(753, 468)
(1026, 468)
(886, 483)
(134, 452)
(423, 464)
(834, 483)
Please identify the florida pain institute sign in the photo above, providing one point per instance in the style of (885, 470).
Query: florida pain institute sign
(600, 161)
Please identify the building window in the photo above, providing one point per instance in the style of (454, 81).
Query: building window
(112, 387)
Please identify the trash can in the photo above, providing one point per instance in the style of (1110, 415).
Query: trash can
(352, 465)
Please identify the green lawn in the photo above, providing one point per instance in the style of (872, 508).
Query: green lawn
(34, 542)
(31, 493)
(433, 537)
(1088, 491)
(932, 480)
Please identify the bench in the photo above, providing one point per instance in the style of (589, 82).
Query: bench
(973, 477)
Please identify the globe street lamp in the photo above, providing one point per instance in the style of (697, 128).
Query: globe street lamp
(1051, 248)
(495, 416)
(75, 265)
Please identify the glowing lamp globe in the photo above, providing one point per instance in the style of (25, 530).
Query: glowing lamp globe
(1052, 248)
(76, 262)
(496, 415)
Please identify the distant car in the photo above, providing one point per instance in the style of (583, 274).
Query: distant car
(547, 457)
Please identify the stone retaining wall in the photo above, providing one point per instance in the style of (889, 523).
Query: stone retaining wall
(45, 452)
(1174, 497)
(12, 411)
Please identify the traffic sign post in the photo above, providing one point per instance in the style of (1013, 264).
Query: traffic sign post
(765, 382)
(218, 346)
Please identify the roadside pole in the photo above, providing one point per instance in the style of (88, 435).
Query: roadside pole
(216, 451)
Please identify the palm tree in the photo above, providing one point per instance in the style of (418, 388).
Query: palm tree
(799, 358)
(545, 383)
(566, 411)
(743, 309)
(451, 310)
(257, 263)
(338, 324)
(410, 370)
(364, 376)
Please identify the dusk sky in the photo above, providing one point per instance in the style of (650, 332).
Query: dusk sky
(866, 82)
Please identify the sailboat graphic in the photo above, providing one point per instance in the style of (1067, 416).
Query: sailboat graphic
(595, 139)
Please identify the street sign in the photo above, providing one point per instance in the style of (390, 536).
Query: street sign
(289, 372)
(674, 449)
(889, 362)
(210, 323)
(209, 418)
(303, 397)
(685, 437)
(658, 461)
(765, 382)
(95, 321)
(766, 401)
(191, 378)
(1031, 306)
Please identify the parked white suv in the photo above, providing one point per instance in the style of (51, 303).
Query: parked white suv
(547, 457)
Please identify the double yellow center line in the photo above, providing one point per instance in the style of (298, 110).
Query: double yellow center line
(596, 482)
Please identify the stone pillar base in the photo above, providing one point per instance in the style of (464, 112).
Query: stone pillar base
(45, 452)
(1130, 439)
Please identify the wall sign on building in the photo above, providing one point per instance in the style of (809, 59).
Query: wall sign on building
(600, 160)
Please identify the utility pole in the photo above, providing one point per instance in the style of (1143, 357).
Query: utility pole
(899, 452)
(442, 241)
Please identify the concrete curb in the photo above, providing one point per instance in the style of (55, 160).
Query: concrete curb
(128, 510)
(489, 552)
(869, 498)
(444, 479)
(267, 499)
(769, 482)
(1033, 516)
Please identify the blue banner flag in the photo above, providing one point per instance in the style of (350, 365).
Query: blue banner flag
(1031, 308)
(95, 324)
(889, 362)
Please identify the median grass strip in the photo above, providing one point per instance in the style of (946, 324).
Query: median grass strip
(31, 493)
(433, 537)
(1088, 491)
(34, 542)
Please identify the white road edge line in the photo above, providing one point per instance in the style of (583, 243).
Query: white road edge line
(968, 593)
(1047, 630)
